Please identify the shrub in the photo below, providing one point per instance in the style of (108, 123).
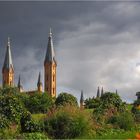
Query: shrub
(68, 122)
(136, 110)
(123, 120)
(65, 98)
(34, 136)
(4, 122)
(28, 124)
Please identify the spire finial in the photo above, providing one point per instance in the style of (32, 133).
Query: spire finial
(50, 33)
(8, 41)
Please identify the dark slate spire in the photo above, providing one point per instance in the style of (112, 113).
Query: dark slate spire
(50, 56)
(82, 97)
(98, 92)
(8, 58)
(116, 91)
(39, 80)
(19, 83)
(102, 91)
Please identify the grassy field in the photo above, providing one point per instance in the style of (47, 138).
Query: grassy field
(118, 135)
(109, 134)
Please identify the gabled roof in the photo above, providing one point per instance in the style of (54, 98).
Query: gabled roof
(50, 55)
(8, 57)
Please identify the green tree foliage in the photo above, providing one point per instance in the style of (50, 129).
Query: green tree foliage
(109, 105)
(111, 100)
(92, 103)
(65, 98)
(7, 90)
(11, 107)
(38, 103)
(67, 122)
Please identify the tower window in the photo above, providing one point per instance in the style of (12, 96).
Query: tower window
(53, 90)
(53, 77)
(47, 77)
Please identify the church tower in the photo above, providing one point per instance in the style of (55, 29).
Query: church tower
(8, 68)
(50, 69)
(39, 84)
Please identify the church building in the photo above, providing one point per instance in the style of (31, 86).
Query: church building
(49, 71)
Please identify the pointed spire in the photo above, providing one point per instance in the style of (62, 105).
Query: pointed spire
(19, 85)
(102, 91)
(116, 91)
(8, 57)
(39, 79)
(82, 97)
(39, 83)
(98, 92)
(50, 55)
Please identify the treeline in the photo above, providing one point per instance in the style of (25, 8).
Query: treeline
(62, 117)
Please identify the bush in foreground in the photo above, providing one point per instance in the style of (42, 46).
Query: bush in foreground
(123, 120)
(68, 122)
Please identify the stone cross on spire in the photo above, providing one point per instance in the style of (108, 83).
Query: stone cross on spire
(8, 41)
(50, 33)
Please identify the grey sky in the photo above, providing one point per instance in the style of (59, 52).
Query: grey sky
(96, 44)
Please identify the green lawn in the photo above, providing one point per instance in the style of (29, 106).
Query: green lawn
(129, 106)
(38, 117)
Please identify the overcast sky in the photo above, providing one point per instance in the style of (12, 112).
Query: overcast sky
(96, 44)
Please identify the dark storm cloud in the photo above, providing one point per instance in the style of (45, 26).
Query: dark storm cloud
(96, 43)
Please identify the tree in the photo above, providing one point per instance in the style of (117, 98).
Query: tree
(66, 98)
(92, 103)
(9, 90)
(110, 104)
(111, 99)
(39, 103)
